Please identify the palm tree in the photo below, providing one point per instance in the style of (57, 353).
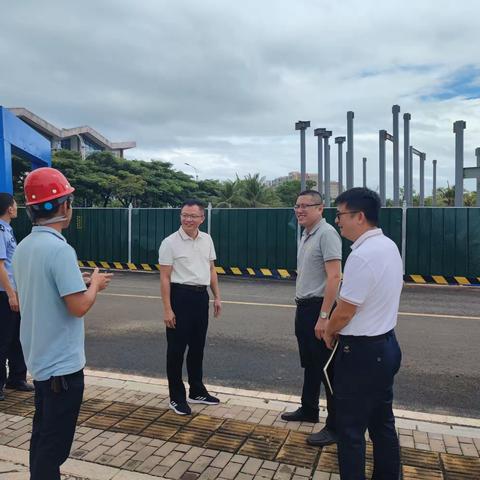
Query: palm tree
(229, 194)
(256, 193)
(446, 195)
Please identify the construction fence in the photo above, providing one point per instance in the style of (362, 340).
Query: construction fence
(439, 245)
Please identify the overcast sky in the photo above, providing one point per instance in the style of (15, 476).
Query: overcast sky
(220, 84)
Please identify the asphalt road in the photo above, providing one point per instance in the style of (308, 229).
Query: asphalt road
(253, 344)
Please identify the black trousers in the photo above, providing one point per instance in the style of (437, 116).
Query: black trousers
(313, 356)
(363, 388)
(10, 347)
(191, 313)
(54, 425)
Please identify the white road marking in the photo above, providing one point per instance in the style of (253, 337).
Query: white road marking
(279, 305)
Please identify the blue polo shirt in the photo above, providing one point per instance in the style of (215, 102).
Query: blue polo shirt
(46, 270)
(8, 244)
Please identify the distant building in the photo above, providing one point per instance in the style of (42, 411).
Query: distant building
(334, 187)
(84, 140)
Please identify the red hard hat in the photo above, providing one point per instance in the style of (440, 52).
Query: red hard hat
(44, 184)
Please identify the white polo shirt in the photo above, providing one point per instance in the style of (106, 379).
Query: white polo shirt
(189, 257)
(373, 281)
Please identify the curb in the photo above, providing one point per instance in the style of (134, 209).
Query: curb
(282, 400)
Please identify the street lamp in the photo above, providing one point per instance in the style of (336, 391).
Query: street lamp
(196, 171)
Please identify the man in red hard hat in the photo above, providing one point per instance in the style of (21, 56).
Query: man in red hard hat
(53, 300)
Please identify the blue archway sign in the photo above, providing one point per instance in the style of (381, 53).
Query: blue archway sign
(19, 138)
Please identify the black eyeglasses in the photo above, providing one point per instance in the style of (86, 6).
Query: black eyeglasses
(339, 214)
(303, 206)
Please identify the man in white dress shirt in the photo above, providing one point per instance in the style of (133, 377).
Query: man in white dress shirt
(368, 355)
(187, 268)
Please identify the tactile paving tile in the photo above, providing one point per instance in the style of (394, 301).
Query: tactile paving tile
(264, 442)
(99, 420)
(270, 434)
(204, 422)
(29, 401)
(330, 449)
(456, 465)
(20, 396)
(95, 405)
(21, 409)
(328, 462)
(259, 448)
(459, 476)
(131, 425)
(260, 441)
(8, 403)
(236, 427)
(83, 416)
(296, 451)
(191, 436)
(225, 442)
(420, 458)
(171, 418)
(148, 413)
(160, 431)
(118, 409)
(418, 473)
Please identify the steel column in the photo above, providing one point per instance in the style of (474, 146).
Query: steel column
(302, 126)
(381, 167)
(396, 157)
(326, 155)
(423, 157)
(458, 128)
(350, 156)
(339, 141)
(406, 157)
(318, 132)
(365, 172)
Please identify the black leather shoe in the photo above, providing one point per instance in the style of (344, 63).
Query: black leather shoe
(21, 386)
(322, 438)
(2, 396)
(300, 416)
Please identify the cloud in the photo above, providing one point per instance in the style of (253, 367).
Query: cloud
(220, 85)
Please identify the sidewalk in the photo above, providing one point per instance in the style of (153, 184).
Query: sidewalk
(125, 432)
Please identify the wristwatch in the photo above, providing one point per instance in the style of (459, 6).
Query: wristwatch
(323, 315)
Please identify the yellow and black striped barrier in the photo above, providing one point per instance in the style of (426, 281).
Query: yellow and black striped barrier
(278, 273)
(235, 271)
(441, 280)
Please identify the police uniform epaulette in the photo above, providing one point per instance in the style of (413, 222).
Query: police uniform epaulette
(2, 228)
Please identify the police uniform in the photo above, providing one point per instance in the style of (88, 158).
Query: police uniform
(368, 357)
(10, 347)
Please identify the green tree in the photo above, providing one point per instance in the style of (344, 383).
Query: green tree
(20, 167)
(209, 191)
(255, 193)
(229, 194)
(287, 192)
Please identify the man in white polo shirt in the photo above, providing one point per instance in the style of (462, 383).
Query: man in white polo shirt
(368, 355)
(187, 268)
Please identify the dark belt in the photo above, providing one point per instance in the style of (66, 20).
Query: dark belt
(365, 338)
(59, 383)
(309, 301)
(193, 288)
